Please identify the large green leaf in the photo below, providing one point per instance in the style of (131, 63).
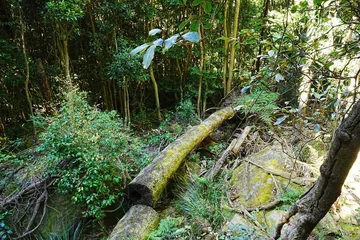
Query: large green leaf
(207, 7)
(148, 56)
(194, 25)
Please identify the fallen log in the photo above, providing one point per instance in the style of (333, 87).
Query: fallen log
(219, 163)
(234, 147)
(148, 185)
(137, 223)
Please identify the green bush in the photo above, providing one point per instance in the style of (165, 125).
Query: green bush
(91, 152)
(259, 102)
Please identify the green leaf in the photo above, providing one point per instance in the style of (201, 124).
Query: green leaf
(207, 25)
(191, 36)
(224, 38)
(138, 49)
(197, 2)
(183, 24)
(194, 25)
(148, 56)
(317, 2)
(207, 7)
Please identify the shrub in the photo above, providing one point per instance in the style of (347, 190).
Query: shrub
(91, 152)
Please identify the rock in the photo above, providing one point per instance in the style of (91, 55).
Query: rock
(251, 186)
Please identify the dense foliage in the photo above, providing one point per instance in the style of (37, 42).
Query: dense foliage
(152, 68)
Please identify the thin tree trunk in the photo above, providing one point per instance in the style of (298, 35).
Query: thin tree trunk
(313, 205)
(232, 51)
(27, 67)
(226, 46)
(156, 91)
(262, 32)
(201, 68)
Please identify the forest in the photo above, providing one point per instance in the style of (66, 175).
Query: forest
(179, 119)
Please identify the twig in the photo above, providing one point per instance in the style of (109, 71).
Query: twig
(41, 220)
(299, 181)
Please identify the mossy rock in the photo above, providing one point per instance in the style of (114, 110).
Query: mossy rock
(252, 186)
(60, 216)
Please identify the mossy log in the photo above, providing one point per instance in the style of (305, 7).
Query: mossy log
(137, 224)
(147, 187)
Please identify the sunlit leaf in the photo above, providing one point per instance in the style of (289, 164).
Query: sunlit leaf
(317, 128)
(148, 56)
(154, 31)
(244, 89)
(139, 49)
(271, 53)
(191, 36)
(168, 43)
(158, 42)
(224, 38)
(280, 120)
(317, 95)
(278, 77)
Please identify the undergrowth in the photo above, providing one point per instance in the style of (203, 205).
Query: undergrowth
(261, 103)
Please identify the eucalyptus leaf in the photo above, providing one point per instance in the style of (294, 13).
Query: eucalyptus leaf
(148, 56)
(158, 42)
(154, 31)
(139, 49)
(168, 43)
(191, 36)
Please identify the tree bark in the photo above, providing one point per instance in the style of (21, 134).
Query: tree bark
(316, 202)
(147, 187)
(137, 223)
(232, 51)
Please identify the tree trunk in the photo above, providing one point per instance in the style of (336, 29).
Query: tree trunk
(201, 68)
(156, 92)
(137, 223)
(226, 46)
(232, 51)
(316, 202)
(147, 187)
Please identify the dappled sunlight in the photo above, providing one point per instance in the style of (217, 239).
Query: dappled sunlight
(350, 197)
